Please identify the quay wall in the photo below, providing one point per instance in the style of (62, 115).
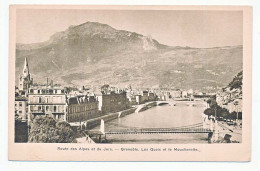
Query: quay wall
(148, 106)
(96, 121)
(126, 112)
(91, 123)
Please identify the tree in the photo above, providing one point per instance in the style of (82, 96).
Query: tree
(209, 111)
(233, 115)
(214, 107)
(224, 112)
(45, 129)
(237, 81)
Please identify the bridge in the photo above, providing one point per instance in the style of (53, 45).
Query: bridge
(195, 128)
(183, 103)
(173, 103)
(199, 128)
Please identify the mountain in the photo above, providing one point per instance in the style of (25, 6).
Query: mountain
(93, 54)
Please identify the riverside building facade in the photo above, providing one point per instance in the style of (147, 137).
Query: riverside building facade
(47, 100)
(112, 100)
(82, 108)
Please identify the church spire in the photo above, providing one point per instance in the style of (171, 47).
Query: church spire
(25, 68)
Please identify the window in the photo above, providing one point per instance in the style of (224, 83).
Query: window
(39, 108)
(47, 108)
(55, 108)
(39, 91)
(20, 104)
(40, 99)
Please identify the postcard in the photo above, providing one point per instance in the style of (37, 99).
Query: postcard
(130, 83)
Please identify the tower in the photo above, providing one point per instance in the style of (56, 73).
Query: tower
(25, 80)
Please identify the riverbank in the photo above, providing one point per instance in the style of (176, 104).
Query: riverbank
(85, 140)
(147, 106)
(158, 116)
(226, 133)
(111, 116)
(108, 117)
(235, 132)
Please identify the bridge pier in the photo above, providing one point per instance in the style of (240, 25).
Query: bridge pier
(210, 135)
(214, 134)
(216, 131)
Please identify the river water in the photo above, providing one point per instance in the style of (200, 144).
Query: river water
(165, 116)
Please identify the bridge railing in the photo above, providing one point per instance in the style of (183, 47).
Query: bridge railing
(160, 130)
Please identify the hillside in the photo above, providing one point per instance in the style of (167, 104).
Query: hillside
(231, 96)
(95, 53)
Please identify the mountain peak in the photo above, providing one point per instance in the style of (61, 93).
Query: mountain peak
(93, 26)
(98, 36)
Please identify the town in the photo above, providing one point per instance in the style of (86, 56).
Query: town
(84, 106)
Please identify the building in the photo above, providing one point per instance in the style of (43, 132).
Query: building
(47, 100)
(131, 99)
(21, 108)
(110, 101)
(161, 96)
(25, 79)
(190, 92)
(151, 96)
(82, 108)
(184, 94)
(144, 97)
(114, 102)
(138, 99)
(176, 93)
(230, 99)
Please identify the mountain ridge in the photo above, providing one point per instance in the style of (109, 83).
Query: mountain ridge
(95, 53)
(84, 29)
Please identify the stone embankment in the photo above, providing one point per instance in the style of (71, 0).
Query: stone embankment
(96, 121)
(126, 112)
(146, 106)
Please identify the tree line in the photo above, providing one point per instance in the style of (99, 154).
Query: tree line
(215, 109)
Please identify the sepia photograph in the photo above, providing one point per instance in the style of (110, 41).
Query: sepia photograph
(128, 76)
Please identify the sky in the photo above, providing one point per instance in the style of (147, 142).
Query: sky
(202, 29)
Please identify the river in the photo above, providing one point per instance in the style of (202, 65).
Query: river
(165, 116)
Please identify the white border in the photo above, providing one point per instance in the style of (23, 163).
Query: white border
(11, 165)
